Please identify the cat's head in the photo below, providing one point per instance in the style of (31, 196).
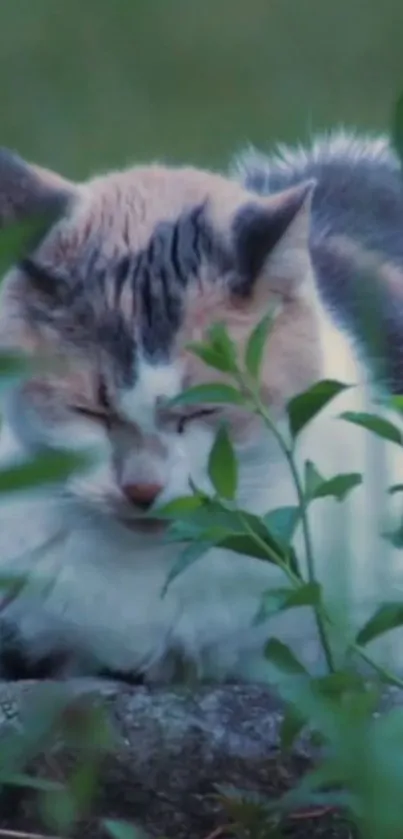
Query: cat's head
(138, 264)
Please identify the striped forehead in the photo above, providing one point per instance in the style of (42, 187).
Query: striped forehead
(154, 383)
(156, 278)
(150, 289)
(126, 306)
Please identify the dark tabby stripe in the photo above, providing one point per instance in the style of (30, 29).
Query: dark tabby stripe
(155, 279)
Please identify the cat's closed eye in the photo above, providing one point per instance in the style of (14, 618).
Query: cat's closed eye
(105, 415)
(187, 418)
(99, 412)
(95, 414)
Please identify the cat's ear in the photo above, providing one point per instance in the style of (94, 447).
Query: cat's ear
(27, 190)
(271, 242)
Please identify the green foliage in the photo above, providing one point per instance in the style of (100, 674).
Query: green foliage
(339, 706)
(282, 523)
(209, 522)
(222, 466)
(256, 345)
(219, 352)
(395, 537)
(397, 127)
(49, 467)
(252, 815)
(19, 238)
(303, 408)
(215, 393)
(283, 657)
(123, 830)
(280, 599)
(292, 726)
(12, 367)
(387, 617)
(377, 425)
(187, 557)
(338, 487)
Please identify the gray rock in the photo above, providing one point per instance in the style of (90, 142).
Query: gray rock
(173, 746)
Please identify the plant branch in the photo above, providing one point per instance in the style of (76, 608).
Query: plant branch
(272, 555)
(386, 675)
(320, 614)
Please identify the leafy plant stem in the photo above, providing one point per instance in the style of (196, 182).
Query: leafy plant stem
(385, 674)
(270, 553)
(320, 615)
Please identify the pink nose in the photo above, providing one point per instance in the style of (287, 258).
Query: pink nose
(142, 495)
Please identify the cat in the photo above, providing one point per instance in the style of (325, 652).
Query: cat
(135, 265)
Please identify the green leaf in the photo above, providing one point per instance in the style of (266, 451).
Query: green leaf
(59, 810)
(236, 530)
(292, 562)
(291, 727)
(281, 599)
(86, 725)
(183, 506)
(282, 523)
(309, 793)
(83, 785)
(213, 513)
(222, 465)
(397, 127)
(377, 425)
(256, 345)
(396, 402)
(18, 238)
(13, 582)
(245, 544)
(41, 715)
(215, 393)
(339, 486)
(20, 779)
(272, 602)
(251, 814)
(313, 480)
(219, 338)
(13, 365)
(307, 594)
(123, 830)
(304, 407)
(252, 538)
(49, 467)
(218, 351)
(387, 617)
(395, 537)
(283, 657)
(339, 683)
(186, 558)
(181, 530)
(395, 488)
(211, 356)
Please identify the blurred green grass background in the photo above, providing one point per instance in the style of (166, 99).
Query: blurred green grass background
(89, 84)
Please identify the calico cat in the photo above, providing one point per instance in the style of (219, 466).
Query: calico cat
(137, 264)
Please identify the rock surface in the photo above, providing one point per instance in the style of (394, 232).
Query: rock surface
(172, 747)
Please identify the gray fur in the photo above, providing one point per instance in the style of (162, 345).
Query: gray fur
(153, 280)
(359, 195)
(23, 193)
